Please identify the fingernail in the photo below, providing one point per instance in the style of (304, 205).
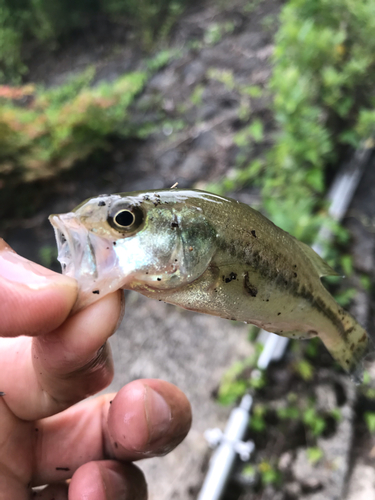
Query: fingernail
(123, 481)
(17, 269)
(158, 415)
(115, 486)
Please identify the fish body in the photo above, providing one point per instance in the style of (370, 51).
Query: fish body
(209, 254)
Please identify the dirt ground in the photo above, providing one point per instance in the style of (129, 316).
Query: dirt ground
(191, 350)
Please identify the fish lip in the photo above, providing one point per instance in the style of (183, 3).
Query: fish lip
(73, 241)
(65, 247)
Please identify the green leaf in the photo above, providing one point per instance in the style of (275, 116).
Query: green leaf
(304, 369)
(314, 455)
(370, 421)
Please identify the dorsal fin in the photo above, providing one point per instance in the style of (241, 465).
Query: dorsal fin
(320, 265)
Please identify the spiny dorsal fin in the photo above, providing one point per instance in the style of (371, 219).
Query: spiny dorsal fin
(321, 266)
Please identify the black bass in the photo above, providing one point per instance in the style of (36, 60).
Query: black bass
(208, 254)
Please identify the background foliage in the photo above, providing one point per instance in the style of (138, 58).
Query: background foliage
(321, 86)
(26, 24)
(62, 125)
(323, 102)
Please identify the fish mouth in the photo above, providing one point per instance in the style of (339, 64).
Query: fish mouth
(86, 257)
(75, 249)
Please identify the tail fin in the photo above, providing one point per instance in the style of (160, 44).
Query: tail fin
(350, 348)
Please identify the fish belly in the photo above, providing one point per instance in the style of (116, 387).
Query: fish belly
(245, 296)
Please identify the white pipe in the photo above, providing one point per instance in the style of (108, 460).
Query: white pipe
(222, 460)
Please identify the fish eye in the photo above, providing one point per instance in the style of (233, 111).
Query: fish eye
(126, 218)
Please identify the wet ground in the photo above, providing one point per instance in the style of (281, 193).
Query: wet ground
(191, 350)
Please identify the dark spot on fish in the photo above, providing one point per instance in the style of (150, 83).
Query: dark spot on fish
(233, 319)
(146, 198)
(36, 429)
(286, 282)
(347, 361)
(352, 347)
(62, 237)
(295, 275)
(349, 330)
(157, 195)
(175, 260)
(230, 278)
(114, 243)
(174, 224)
(159, 300)
(215, 290)
(63, 468)
(116, 445)
(107, 248)
(96, 292)
(158, 279)
(281, 331)
(295, 266)
(278, 314)
(363, 338)
(101, 204)
(146, 272)
(249, 287)
(110, 402)
(267, 300)
(64, 266)
(312, 332)
(253, 233)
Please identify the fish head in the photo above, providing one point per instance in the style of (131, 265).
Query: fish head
(140, 241)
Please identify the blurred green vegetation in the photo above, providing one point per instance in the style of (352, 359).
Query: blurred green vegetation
(323, 97)
(44, 131)
(27, 24)
(60, 126)
(324, 104)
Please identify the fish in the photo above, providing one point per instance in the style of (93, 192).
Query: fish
(209, 254)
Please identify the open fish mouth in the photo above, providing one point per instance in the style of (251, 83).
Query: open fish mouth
(75, 249)
(86, 257)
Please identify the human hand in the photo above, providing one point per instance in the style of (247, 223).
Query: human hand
(50, 361)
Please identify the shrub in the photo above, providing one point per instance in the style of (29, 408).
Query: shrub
(323, 104)
(57, 127)
(323, 97)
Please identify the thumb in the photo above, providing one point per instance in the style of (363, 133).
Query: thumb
(33, 299)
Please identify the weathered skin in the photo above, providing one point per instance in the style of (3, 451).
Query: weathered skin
(209, 254)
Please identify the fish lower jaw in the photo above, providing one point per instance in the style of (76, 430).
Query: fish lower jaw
(65, 255)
